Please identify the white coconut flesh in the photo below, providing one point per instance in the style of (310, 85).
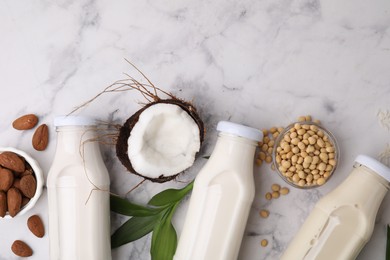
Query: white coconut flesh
(164, 141)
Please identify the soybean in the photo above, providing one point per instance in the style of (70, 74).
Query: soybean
(284, 191)
(275, 187)
(264, 213)
(267, 145)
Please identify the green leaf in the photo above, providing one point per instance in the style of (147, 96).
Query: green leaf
(146, 219)
(170, 196)
(133, 229)
(164, 239)
(125, 207)
(388, 243)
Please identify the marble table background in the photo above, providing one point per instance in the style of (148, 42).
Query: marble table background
(261, 63)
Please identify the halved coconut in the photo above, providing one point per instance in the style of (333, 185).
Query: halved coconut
(160, 140)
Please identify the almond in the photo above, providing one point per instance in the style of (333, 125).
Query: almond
(3, 204)
(25, 201)
(35, 225)
(12, 161)
(21, 249)
(41, 138)
(14, 201)
(27, 172)
(16, 183)
(28, 186)
(25, 122)
(6, 179)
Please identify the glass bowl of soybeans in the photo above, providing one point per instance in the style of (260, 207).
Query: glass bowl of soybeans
(305, 154)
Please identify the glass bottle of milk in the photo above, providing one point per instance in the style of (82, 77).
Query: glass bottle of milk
(78, 185)
(342, 222)
(222, 196)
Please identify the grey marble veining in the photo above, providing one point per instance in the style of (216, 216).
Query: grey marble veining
(261, 63)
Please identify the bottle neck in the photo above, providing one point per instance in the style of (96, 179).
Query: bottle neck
(363, 187)
(233, 149)
(372, 175)
(73, 140)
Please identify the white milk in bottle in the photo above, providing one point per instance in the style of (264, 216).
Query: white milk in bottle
(78, 185)
(222, 196)
(342, 222)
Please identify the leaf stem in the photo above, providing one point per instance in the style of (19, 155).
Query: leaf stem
(189, 187)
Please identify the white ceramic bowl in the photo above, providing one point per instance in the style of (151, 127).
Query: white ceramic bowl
(38, 175)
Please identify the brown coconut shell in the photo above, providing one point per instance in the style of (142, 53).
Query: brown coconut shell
(125, 132)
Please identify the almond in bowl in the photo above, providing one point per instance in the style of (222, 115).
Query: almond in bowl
(21, 182)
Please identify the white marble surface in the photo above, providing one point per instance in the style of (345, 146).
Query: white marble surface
(262, 63)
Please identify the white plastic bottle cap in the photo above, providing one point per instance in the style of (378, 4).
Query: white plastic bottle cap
(74, 121)
(374, 165)
(240, 130)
